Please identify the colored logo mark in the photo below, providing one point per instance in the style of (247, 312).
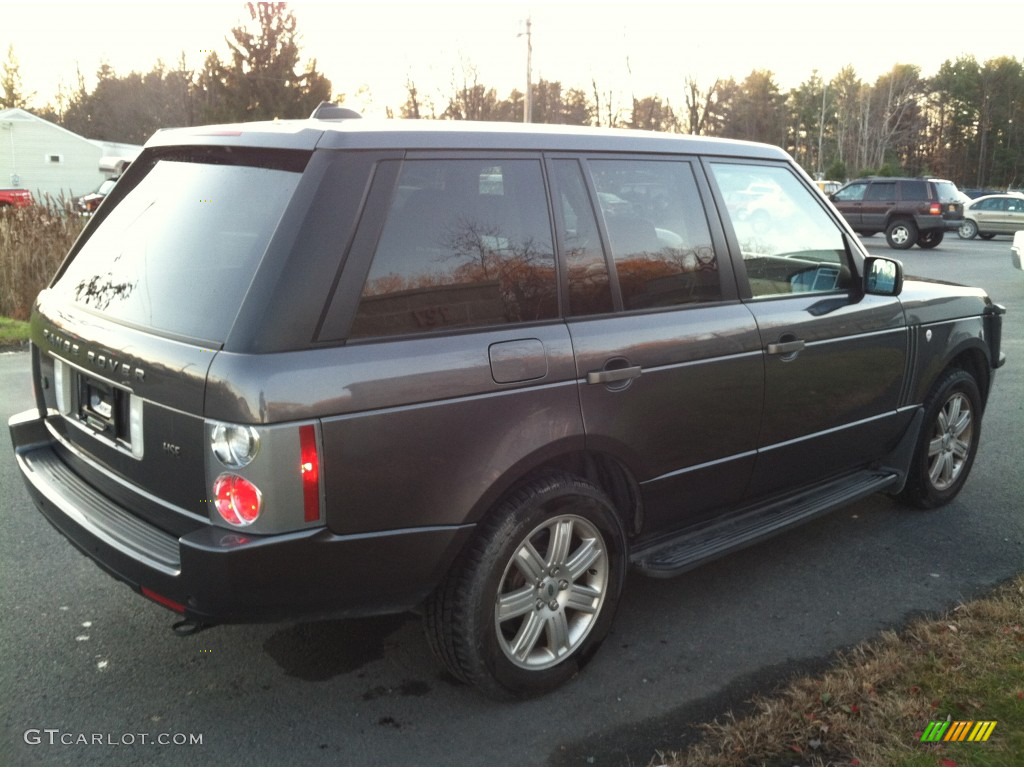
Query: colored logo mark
(958, 730)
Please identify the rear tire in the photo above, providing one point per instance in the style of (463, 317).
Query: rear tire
(986, 237)
(948, 441)
(529, 602)
(901, 234)
(930, 238)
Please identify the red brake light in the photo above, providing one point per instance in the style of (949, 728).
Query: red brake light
(310, 468)
(237, 500)
(935, 209)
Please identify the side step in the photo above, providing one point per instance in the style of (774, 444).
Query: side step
(692, 547)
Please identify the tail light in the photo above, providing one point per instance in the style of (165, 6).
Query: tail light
(310, 468)
(935, 209)
(238, 501)
(265, 478)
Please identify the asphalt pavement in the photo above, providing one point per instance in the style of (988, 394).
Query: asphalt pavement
(92, 674)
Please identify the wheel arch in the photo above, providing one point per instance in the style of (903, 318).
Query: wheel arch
(970, 356)
(605, 471)
(974, 361)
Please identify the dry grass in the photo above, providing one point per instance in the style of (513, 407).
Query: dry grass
(33, 242)
(873, 705)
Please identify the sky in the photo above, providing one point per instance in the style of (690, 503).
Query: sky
(369, 50)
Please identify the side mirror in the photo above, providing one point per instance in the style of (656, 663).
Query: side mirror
(882, 276)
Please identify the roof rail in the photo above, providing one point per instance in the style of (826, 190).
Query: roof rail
(328, 110)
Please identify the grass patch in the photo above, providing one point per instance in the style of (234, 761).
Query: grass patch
(33, 243)
(873, 705)
(12, 332)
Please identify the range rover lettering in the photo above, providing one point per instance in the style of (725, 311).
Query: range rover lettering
(337, 367)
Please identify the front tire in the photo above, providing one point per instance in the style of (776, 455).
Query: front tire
(901, 234)
(968, 230)
(531, 600)
(948, 441)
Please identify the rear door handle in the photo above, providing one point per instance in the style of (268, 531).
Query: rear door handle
(613, 375)
(786, 347)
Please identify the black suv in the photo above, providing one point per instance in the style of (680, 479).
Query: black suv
(909, 211)
(346, 368)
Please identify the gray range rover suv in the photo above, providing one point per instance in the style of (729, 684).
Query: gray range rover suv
(340, 368)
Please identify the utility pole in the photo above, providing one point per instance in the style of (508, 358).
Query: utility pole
(528, 100)
(821, 130)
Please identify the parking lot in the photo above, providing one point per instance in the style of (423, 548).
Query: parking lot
(93, 674)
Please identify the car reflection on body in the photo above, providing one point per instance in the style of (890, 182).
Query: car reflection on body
(88, 204)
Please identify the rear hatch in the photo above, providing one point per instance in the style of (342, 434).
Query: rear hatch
(949, 198)
(127, 332)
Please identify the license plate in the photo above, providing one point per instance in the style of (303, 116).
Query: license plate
(104, 409)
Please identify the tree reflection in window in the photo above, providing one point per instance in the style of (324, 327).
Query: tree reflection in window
(659, 236)
(466, 243)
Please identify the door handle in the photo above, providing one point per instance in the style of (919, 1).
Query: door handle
(786, 347)
(613, 375)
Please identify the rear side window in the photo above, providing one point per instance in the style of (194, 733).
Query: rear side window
(466, 243)
(886, 190)
(914, 189)
(178, 253)
(659, 236)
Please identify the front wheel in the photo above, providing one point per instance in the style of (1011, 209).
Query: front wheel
(948, 441)
(901, 234)
(968, 230)
(531, 600)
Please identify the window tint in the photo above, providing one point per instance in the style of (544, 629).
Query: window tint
(589, 289)
(913, 189)
(788, 241)
(886, 190)
(179, 251)
(658, 233)
(465, 243)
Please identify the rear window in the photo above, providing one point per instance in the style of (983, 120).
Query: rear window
(948, 193)
(177, 254)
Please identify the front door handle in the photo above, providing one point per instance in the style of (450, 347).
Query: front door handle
(786, 347)
(612, 375)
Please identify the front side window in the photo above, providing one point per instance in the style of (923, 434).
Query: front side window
(657, 231)
(788, 241)
(851, 193)
(466, 243)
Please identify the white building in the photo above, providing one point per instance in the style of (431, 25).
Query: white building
(48, 160)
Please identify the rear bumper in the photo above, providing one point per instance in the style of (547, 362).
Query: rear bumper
(214, 575)
(937, 222)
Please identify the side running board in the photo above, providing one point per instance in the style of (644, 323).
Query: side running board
(671, 556)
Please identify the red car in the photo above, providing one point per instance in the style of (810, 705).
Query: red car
(16, 198)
